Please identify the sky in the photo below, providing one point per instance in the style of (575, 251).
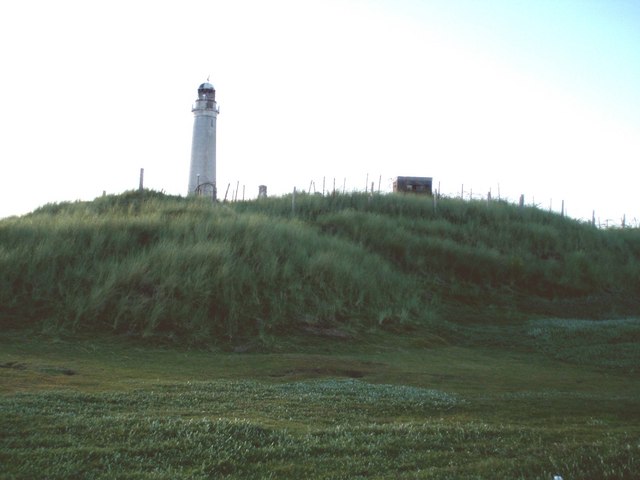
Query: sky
(539, 98)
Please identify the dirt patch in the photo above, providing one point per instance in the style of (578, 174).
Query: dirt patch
(14, 365)
(46, 369)
(57, 370)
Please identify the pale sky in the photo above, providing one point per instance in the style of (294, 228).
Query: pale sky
(533, 97)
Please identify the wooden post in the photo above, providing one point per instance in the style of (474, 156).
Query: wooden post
(141, 187)
(562, 209)
(293, 202)
(243, 192)
(227, 192)
(366, 184)
(522, 200)
(379, 183)
(593, 218)
(323, 178)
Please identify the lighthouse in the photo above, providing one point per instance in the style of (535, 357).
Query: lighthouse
(202, 173)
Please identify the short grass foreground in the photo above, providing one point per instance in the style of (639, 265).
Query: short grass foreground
(109, 409)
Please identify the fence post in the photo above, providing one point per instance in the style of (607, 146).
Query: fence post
(293, 202)
(141, 187)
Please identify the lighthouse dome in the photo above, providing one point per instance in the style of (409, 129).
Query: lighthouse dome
(206, 92)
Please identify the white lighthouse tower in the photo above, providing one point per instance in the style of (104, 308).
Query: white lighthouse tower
(202, 174)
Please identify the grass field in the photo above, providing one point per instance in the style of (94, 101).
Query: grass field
(384, 406)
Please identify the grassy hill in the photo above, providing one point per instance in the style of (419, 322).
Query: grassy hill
(152, 265)
(399, 342)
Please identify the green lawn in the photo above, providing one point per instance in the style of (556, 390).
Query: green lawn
(382, 407)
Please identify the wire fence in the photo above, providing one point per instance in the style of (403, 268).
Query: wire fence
(332, 186)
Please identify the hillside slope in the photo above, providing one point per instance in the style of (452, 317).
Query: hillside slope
(148, 264)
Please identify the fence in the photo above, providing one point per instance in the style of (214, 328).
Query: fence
(333, 187)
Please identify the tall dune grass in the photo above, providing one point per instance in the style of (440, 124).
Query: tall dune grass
(475, 256)
(185, 268)
(149, 264)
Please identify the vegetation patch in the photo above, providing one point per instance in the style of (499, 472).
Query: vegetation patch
(471, 412)
(609, 343)
(310, 429)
